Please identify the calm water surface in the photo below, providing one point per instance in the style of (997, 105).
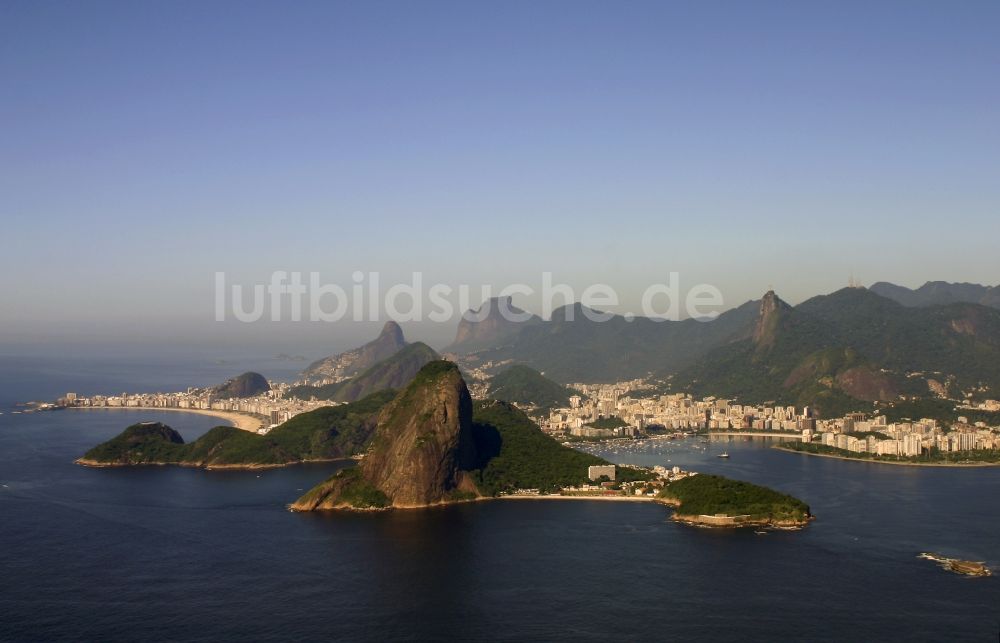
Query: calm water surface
(189, 554)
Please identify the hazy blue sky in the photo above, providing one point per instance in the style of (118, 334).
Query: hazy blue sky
(146, 145)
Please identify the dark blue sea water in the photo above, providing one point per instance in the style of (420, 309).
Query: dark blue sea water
(187, 554)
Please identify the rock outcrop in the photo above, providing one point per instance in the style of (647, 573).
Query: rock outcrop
(248, 384)
(772, 310)
(422, 449)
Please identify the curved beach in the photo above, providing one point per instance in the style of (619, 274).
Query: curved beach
(237, 420)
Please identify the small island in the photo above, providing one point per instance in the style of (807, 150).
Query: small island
(714, 501)
(957, 566)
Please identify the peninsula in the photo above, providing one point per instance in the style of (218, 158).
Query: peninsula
(328, 433)
(434, 446)
(431, 444)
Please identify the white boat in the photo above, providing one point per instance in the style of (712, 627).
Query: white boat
(724, 454)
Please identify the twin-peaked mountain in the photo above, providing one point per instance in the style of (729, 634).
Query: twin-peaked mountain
(493, 324)
(389, 342)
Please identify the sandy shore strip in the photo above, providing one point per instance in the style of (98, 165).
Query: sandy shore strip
(580, 497)
(238, 420)
(953, 465)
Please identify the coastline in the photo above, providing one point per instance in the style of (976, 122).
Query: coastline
(236, 420)
(571, 497)
(96, 464)
(704, 522)
(953, 465)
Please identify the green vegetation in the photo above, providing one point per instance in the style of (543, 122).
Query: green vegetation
(352, 489)
(863, 435)
(610, 422)
(524, 385)
(705, 494)
(930, 456)
(841, 351)
(324, 434)
(248, 384)
(579, 349)
(140, 443)
(944, 411)
(359, 493)
(394, 372)
(659, 388)
(515, 454)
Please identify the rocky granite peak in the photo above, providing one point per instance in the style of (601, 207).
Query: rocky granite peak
(423, 446)
(772, 309)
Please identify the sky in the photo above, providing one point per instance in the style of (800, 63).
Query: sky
(145, 147)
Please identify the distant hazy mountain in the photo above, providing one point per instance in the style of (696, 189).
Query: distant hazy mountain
(572, 348)
(492, 331)
(936, 293)
(388, 343)
(392, 373)
(524, 385)
(246, 385)
(853, 346)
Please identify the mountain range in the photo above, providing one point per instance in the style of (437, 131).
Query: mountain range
(836, 352)
(573, 347)
(938, 293)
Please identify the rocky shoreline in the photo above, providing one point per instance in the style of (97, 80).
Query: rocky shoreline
(199, 465)
(725, 521)
(710, 522)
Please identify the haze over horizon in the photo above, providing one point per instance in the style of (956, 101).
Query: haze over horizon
(146, 148)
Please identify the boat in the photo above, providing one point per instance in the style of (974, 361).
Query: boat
(724, 454)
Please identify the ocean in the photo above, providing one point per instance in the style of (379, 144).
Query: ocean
(183, 554)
